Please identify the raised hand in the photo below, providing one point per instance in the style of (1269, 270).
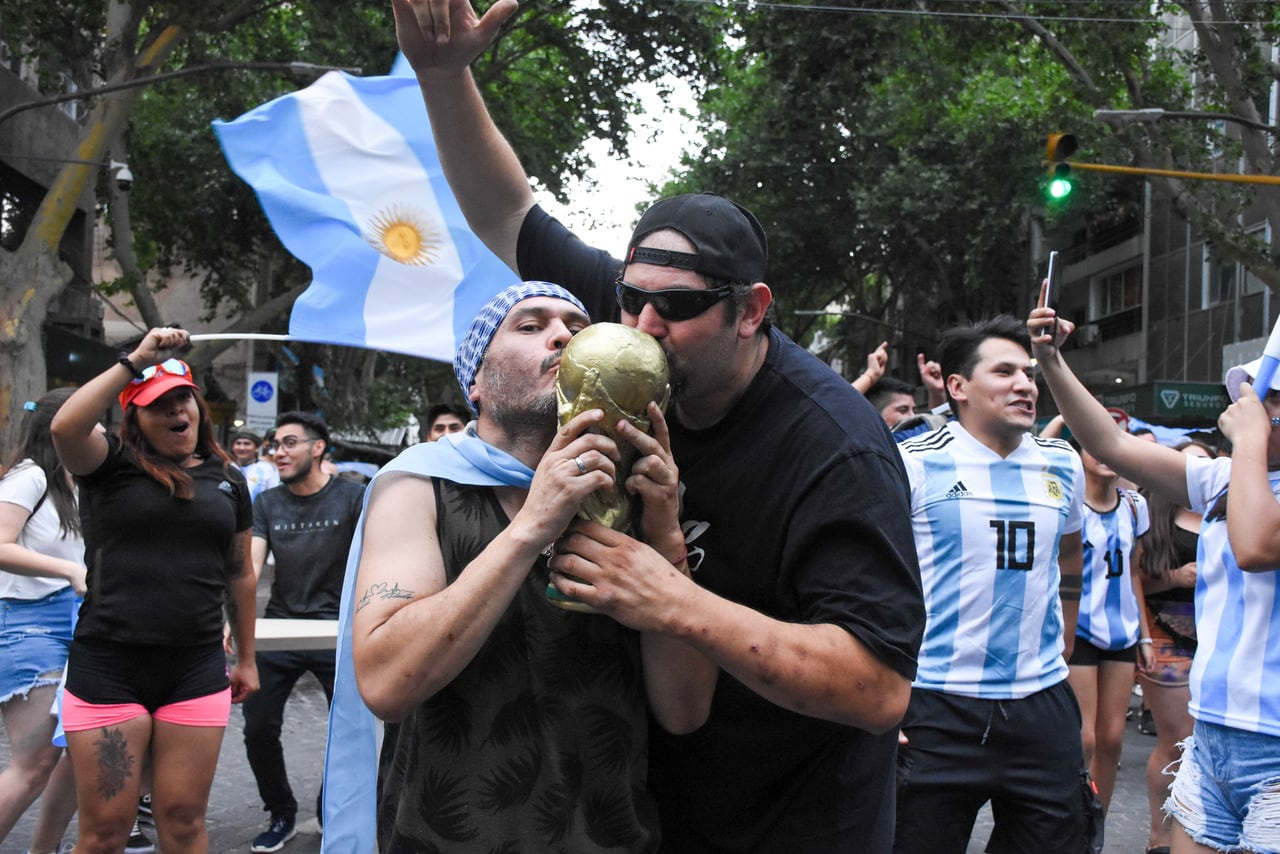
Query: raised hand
(446, 35)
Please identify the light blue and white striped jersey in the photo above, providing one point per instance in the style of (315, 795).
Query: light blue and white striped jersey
(987, 531)
(1235, 675)
(1108, 606)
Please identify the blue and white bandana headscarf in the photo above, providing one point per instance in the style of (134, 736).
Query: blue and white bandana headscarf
(467, 360)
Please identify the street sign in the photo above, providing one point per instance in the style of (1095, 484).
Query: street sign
(261, 406)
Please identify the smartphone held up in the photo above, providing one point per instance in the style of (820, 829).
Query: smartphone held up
(1052, 288)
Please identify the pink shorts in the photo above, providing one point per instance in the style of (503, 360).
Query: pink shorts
(209, 710)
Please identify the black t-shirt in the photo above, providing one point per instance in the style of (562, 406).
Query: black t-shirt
(795, 504)
(309, 536)
(158, 565)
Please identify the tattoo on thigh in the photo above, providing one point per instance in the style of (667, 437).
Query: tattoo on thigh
(383, 590)
(114, 763)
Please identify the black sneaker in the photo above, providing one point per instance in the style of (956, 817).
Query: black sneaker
(1147, 723)
(275, 836)
(144, 810)
(138, 842)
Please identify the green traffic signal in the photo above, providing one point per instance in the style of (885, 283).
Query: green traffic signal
(1060, 146)
(1059, 181)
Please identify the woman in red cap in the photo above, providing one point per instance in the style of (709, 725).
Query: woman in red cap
(166, 526)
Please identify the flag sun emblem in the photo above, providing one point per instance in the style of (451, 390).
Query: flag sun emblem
(405, 235)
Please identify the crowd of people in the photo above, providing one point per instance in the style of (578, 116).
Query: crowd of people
(810, 638)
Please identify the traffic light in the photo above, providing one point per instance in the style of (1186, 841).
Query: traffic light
(1060, 147)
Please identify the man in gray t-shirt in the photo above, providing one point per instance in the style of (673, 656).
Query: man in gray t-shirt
(307, 523)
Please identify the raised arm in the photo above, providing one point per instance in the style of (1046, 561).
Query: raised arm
(876, 361)
(441, 38)
(80, 445)
(1154, 466)
(931, 378)
(1253, 515)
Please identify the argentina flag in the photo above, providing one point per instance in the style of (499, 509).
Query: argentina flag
(348, 176)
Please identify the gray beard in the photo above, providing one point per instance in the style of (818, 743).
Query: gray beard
(535, 417)
(518, 413)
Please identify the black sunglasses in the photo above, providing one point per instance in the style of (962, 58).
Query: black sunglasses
(671, 303)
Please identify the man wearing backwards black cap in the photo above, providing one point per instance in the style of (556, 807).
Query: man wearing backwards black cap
(795, 502)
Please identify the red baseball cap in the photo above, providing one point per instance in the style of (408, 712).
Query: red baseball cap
(156, 380)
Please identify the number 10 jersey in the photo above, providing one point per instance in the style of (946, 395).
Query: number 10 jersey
(987, 530)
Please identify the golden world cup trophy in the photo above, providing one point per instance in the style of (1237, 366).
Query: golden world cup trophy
(620, 370)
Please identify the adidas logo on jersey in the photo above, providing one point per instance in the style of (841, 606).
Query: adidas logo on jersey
(958, 491)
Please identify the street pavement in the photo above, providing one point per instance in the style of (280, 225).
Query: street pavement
(235, 813)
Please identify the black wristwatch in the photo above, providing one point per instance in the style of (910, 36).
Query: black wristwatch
(124, 360)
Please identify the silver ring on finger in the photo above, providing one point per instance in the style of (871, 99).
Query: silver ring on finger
(582, 467)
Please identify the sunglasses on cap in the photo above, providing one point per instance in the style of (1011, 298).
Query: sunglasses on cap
(671, 303)
(172, 367)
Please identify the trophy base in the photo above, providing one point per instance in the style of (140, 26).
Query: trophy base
(555, 597)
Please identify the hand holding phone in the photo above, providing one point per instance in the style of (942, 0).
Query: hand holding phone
(1053, 286)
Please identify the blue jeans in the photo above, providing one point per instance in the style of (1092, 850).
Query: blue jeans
(264, 714)
(1227, 792)
(35, 637)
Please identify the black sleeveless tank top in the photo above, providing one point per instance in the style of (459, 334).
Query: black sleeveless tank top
(540, 743)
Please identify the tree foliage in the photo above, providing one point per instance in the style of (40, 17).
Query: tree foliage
(895, 154)
(557, 75)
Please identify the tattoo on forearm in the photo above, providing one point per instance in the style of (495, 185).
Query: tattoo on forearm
(383, 590)
(115, 765)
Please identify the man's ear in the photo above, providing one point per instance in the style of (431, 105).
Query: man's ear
(956, 384)
(753, 312)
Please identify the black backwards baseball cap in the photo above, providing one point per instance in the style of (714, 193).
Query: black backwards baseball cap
(729, 240)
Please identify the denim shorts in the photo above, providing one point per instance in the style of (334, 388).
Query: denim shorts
(35, 636)
(1227, 792)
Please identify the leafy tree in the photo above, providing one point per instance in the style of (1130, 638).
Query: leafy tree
(558, 75)
(1229, 71)
(894, 154)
